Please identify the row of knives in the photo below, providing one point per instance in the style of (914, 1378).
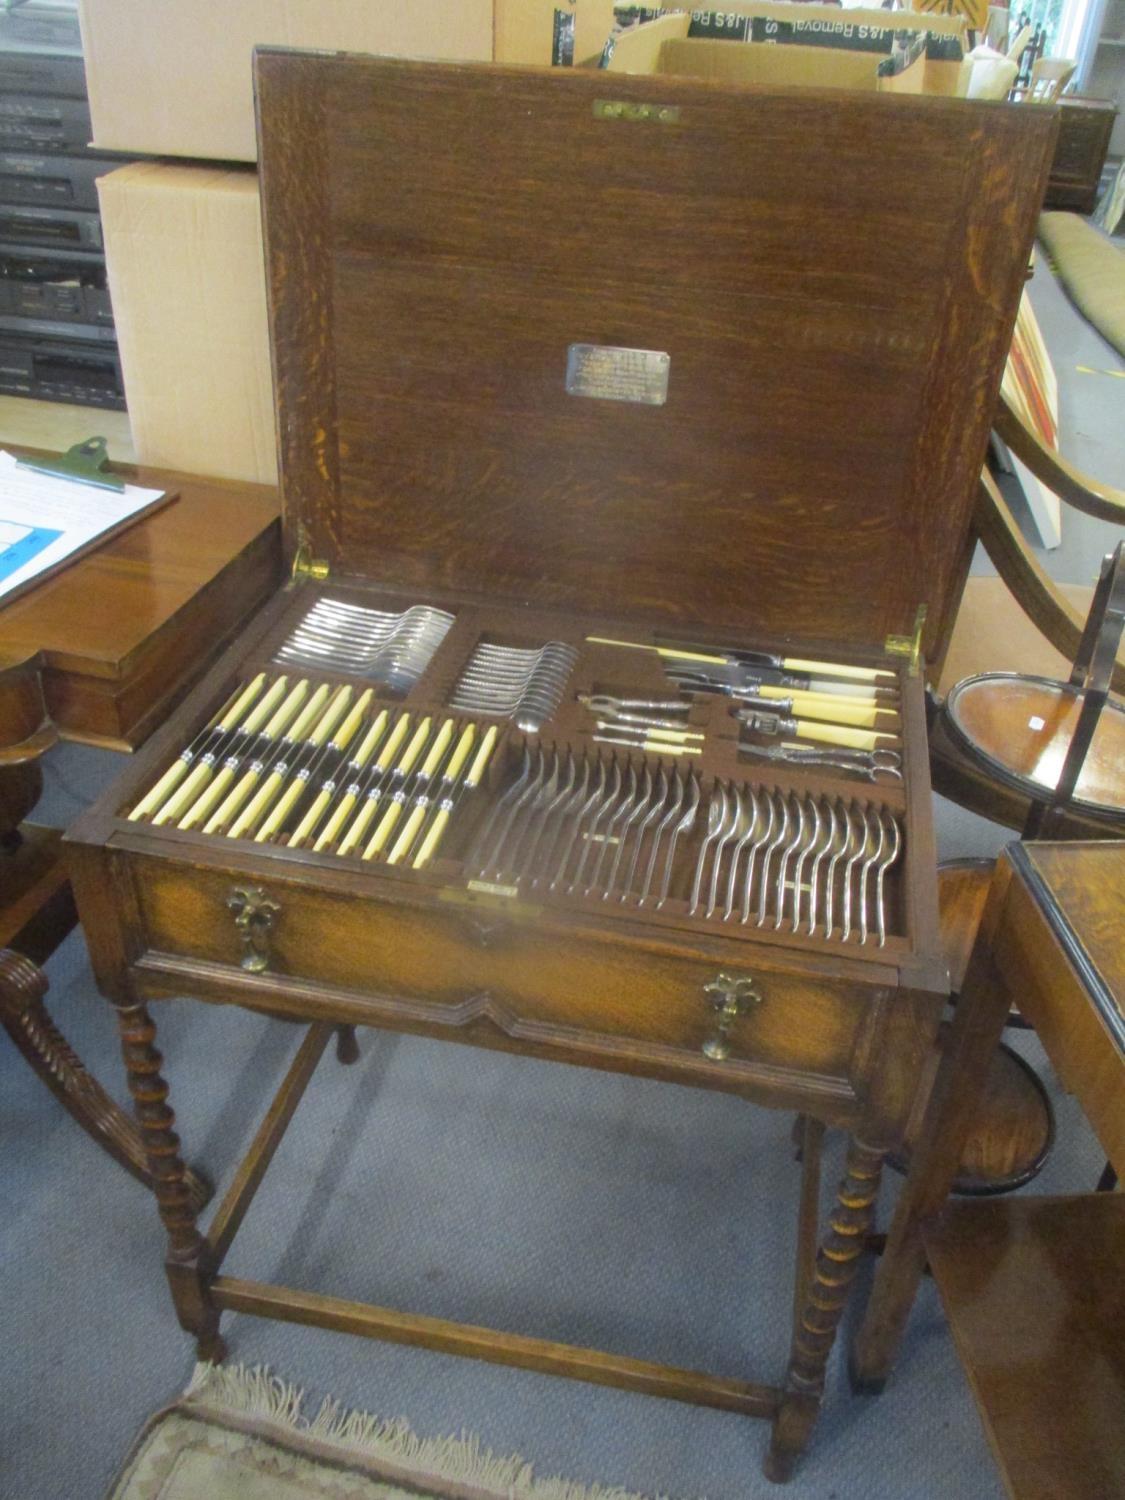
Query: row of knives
(314, 766)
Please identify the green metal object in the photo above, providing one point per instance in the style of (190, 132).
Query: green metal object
(85, 463)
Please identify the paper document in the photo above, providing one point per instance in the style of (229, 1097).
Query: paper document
(46, 521)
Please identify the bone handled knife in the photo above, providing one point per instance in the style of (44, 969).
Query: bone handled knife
(295, 752)
(747, 679)
(268, 719)
(453, 796)
(293, 712)
(381, 777)
(422, 800)
(340, 767)
(354, 786)
(228, 718)
(824, 734)
(330, 757)
(764, 658)
(405, 790)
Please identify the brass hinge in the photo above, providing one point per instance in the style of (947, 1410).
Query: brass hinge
(909, 646)
(305, 565)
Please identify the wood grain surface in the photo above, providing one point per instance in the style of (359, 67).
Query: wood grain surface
(834, 280)
(438, 236)
(119, 636)
(1033, 1291)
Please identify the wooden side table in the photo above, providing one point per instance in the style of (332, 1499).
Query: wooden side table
(1033, 1291)
(1051, 938)
(101, 652)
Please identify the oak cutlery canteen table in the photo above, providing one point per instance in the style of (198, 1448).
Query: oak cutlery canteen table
(599, 364)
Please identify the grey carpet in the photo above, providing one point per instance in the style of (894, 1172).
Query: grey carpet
(440, 1179)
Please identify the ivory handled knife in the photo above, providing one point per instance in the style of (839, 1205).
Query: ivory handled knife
(453, 768)
(342, 739)
(228, 718)
(269, 718)
(291, 720)
(764, 658)
(387, 775)
(404, 791)
(453, 795)
(330, 754)
(295, 751)
(356, 766)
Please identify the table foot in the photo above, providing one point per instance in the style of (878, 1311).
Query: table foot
(863, 1385)
(211, 1350)
(347, 1048)
(789, 1437)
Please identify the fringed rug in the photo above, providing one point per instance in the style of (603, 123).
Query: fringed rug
(240, 1434)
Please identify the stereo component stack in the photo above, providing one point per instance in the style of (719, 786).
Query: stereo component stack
(57, 339)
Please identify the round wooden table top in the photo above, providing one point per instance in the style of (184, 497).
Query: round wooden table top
(1021, 727)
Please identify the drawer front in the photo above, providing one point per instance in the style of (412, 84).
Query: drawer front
(459, 961)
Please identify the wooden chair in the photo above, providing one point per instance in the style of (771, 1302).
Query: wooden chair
(998, 1155)
(1053, 614)
(36, 914)
(1049, 76)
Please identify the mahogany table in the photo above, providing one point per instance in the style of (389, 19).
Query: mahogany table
(120, 636)
(101, 653)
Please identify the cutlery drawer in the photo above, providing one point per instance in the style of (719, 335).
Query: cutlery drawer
(452, 966)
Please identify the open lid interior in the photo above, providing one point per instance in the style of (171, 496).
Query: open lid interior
(463, 261)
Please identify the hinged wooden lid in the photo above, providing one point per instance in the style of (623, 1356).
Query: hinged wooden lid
(826, 282)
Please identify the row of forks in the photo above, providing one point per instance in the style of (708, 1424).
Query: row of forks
(391, 648)
(821, 863)
(515, 682)
(581, 825)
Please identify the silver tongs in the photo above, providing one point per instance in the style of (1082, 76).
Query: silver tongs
(867, 763)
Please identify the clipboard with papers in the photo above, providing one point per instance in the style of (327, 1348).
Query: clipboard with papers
(54, 510)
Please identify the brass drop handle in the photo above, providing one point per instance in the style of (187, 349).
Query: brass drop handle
(730, 995)
(254, 914)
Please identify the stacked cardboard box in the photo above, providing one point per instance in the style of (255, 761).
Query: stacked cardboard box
(172, 78)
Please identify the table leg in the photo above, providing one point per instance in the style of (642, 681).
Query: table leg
(183, 1263)
(982, 1010)
(24, 1015)
(822, 1305)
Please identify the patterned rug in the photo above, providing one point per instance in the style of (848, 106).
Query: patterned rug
(240, 1434)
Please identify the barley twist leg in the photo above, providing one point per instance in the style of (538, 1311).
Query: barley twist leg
(814, 1333)
(149, 1090)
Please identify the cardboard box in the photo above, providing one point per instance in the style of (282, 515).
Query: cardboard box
(172, 77)
(186, 273)
(816, 45)
(551, 32)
